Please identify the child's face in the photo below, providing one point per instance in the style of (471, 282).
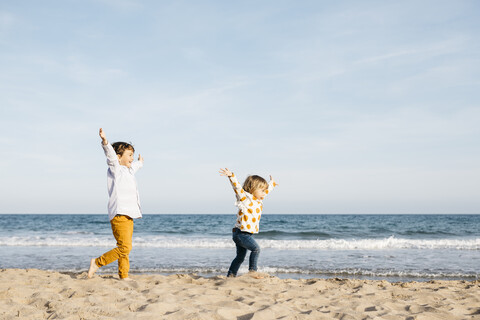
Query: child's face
(126, 158)
(259, 194)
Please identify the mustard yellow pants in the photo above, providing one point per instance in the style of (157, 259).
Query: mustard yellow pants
(122, 228)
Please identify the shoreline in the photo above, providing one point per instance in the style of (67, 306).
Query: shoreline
(392, 278)
(40, 294)
(290, 276)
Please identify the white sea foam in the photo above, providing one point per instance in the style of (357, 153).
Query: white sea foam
(374, 244)
(184, 242)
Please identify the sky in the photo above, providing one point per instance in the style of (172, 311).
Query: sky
(352, 106)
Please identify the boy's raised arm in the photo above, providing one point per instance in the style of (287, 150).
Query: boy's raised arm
(137, 164)
(103, 136)
(112, 159)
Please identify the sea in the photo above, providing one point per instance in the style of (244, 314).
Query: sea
(380, 247)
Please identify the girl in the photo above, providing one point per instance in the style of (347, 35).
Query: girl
(250, 205)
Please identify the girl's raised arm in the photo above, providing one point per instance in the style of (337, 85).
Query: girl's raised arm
(272, 184)
(237, 187)
(225, 172)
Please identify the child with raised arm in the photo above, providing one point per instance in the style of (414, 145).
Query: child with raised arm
(250, 204)
(123, 203)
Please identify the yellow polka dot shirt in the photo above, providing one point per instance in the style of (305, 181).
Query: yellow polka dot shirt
(250, 208)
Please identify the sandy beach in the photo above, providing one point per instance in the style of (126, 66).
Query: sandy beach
(38, 294)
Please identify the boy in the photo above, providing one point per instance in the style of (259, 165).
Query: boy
(123, 204)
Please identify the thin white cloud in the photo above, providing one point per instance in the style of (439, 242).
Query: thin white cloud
(194, 102)
(423, 50)
(7, 20)
(7, 24)
(124, 5)
(93, 76)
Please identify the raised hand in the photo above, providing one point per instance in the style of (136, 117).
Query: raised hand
(225, 172)
(103, 136)
(274, 183)
(140, 158)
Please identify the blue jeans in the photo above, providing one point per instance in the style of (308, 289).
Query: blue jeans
(244, 241)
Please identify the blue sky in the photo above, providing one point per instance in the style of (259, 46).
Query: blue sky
(352, 106)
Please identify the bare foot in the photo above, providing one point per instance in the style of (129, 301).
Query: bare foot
(126, 279)
(93, 268)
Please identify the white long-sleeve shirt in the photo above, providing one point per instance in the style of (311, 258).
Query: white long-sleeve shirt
(122, 186)
(250, 208)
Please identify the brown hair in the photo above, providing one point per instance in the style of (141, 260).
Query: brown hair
(253, 183)
(120, 147)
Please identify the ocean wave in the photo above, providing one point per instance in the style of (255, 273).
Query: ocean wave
(299, 234)
(375, 244)
(195, 242)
